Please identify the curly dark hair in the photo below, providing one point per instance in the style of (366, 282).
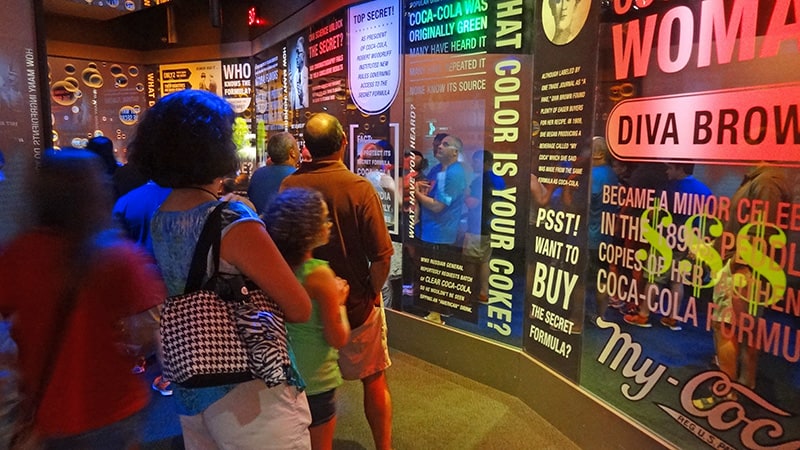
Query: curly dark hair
(185, 139)
(323, 135)
(294, 220)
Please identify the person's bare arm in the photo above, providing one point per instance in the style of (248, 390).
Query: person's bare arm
(330, 292)
(378, 273)
(429, 202)
(539, 192)
(472, 202)
(250, 249)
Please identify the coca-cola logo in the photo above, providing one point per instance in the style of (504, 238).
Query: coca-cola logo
(732, 405)
(714, 408)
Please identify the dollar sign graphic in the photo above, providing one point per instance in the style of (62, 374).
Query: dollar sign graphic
(751, 249)
(704, 252)
(658, 245)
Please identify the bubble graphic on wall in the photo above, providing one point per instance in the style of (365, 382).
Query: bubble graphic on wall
(128, 115)
(120, 81)
(95, 96)
(91, 77)
(64, 93)
(73, 82)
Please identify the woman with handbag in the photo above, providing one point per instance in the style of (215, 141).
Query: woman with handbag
(66, 283)
(298, 221)
(185, 142)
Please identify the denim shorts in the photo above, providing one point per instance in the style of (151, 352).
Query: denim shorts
(323, 407)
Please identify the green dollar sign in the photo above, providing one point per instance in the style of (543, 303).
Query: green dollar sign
(658, 244)
(762, 265)
(704, 252)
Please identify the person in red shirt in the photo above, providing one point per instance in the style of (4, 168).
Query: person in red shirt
(66, 283)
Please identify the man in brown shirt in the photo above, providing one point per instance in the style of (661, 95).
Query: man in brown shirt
(359, 251)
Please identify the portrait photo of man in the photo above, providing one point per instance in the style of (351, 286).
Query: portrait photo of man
(298, 76)
(563, 19)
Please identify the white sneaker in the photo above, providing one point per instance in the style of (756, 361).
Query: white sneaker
(162, 386)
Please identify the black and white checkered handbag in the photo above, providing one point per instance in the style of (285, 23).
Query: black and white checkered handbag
(224, 333)
(208, 341)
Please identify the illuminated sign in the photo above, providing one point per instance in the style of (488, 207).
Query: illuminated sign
(374, 57)
(253, 18)
(735, 126)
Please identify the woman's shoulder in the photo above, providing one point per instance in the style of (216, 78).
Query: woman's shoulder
(235, 211)
(315, 272)
(185, 216)
(232, 211)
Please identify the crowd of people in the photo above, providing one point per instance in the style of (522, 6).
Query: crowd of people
(308, 232)
(107, 244)
(704, 257)
(314, 241)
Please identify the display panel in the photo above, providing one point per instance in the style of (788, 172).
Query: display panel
(237, 82)
(374, 73)
(561, 182)
(376, 160)
(237, 79)
(697, 265)
(24, 129)
(327, 56)
(466, 68)
(93, 98)
(204, 75)
(298, 81)
(374, 66)
(20, 105)
(304, 75)
(270, 90)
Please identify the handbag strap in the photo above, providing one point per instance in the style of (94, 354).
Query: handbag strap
(210, 238)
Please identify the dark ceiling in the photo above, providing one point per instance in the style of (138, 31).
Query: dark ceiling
(177, 23)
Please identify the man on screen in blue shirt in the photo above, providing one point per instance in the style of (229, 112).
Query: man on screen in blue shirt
(441, 197)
